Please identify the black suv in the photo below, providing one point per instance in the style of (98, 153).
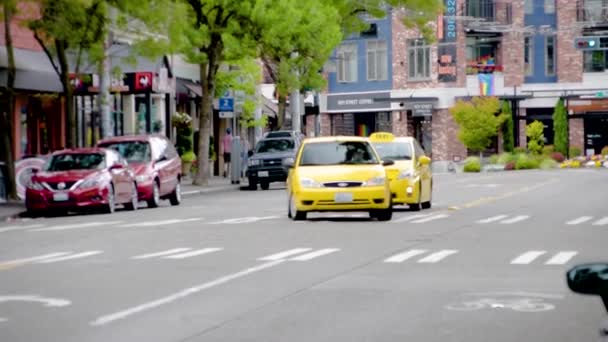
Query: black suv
(266, 162)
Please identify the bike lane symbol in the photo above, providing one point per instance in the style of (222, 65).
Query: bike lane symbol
(516, 301)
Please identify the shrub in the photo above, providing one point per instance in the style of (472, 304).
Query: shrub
(558, 157)
(605, 151)
(526, 162)
(494, 159)
(506, 158)
(575, 164)
(472, 164)
(536, 140)
(519, 150)
(548, 150)
(510, 166)
(575, 152)
(548, 163)
(188, 156)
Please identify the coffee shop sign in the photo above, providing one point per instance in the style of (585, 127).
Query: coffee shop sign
(355, 102)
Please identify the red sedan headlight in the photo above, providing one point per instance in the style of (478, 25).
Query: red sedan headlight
(34, 185)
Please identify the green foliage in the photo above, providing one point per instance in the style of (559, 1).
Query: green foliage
(505, 158)
(478, 121)
(183, 126)
(507, 128)
(534, 132)
(548, 150)
(605, 151)
(520, 150)
(472, 164)
(560, 128)
(548, 163)
(494, 159)
(188, 157)
(526, 162)
(575, 151)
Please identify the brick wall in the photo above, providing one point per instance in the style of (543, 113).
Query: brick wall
(569, 60)
(445, 140)
(513, 47)
(310, 125)
(576, 130)
(399, 123)
(23, 38)
(325, 124)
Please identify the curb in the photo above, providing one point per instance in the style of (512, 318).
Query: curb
(208, 190)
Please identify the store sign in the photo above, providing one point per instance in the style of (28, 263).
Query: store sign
(422, 109)
(588, 105)
(447, 34)
(369, 101)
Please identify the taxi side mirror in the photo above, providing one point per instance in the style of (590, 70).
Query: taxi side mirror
(424, 160)
(388, 162)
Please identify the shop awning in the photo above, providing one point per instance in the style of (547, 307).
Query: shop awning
(34, 71)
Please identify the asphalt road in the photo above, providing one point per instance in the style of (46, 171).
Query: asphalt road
(486, 263)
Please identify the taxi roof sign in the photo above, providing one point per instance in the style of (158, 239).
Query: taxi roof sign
(382, 136)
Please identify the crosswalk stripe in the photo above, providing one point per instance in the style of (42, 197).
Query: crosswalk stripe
(515, 219)
(32, 259)
(438, 256)
(401, 257)
(579, 220)
(432, 218)
(76, 226)
(493, 219)
(193, 253)
(312, 255)
(284, 254)
(601, 222)
(561, 258)
(159, 254)
(159, 223)
(527, 257)
(8, 229)
(70, 257)
(409, 218)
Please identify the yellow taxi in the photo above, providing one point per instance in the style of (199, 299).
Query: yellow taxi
(410, 177)
(338, 174)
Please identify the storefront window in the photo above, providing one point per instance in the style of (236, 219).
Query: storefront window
(595, 61)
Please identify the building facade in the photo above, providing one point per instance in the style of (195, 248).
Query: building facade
(523, 51)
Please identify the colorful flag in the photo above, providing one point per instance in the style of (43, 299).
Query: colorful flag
(486, 84)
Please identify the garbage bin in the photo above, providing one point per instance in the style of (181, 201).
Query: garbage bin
(235, 161)
(3, 181)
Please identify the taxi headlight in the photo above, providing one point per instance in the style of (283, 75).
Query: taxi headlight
(376, 181)
(309, 183)
(405, 174)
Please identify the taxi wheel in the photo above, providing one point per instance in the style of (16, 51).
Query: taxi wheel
(427, 205)
(382, 214)
(292, 212)
(416, 206)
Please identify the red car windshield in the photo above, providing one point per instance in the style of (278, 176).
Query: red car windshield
(75, 161)
(132, 151)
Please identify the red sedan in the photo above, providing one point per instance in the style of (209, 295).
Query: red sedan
(82, 178)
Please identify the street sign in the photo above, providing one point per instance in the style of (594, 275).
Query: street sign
(226, 115)
(226, 104)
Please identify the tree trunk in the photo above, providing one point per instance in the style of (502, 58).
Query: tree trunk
(281, 115)
(6, 117)
(70, 113)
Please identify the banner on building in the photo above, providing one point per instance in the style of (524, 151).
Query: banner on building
(486, 84)
(447, 34)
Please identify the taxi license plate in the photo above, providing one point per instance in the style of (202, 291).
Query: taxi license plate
(343, 197)
(60, 197)
(262, 173)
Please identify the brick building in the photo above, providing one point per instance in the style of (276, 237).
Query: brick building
(522, 51)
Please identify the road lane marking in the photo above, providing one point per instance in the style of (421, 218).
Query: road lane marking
(601, 222)
(401, 257)
(70, 257)
(579, 220)
(409, 218)
(438, 256)
(32, 259)
(316, 254)
(159, 223)
(561, 258)
(515, 219)
(245, 220)
(432, 218)
(284, 254)
(193, 253)
(493, 219)
(75, 226)
(159, 254)
(31, 226)
(527, 257)
(181, 294)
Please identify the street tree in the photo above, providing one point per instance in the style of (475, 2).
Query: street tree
(479, 121)
(507, 128)
(560, 128)
(8, 10)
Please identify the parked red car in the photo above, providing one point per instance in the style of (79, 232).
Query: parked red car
(156, 164)
(82, 178)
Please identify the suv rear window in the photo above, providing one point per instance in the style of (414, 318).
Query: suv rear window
(275, 145)
(132, 151)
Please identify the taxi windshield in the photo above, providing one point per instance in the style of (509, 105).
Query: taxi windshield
(338, 152)
(394, 150)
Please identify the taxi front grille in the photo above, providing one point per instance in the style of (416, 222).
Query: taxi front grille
(355, 201)
(342, 184)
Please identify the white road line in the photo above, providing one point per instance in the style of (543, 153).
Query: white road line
(76, 226)
(3, 320)
(181, 294)
(285, 254)
(193, 253)
(36, 258)
(579, 220)
(8, 229)
(159, 254)
(515, 219)
(438, 256)
(409, 218)
(401, 257)
(432, 218)
(159, 223)
(493, 219)
(527, 257)
(240, 220)
(601, 222)
(70, 257)
(561, 258)
(312, 255)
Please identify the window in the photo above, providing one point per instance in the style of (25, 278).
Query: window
(337, 152)
(595, 61)
(275, 145)
(528, 56)
(550, 56)
(75, 161)
(529, 6)
(133, 151)
(549, 6)
(394, 150)
(347, 63)
(419, 59)
(376, 61)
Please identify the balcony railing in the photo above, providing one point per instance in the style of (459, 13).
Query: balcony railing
(593, 12)
(488, 14)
